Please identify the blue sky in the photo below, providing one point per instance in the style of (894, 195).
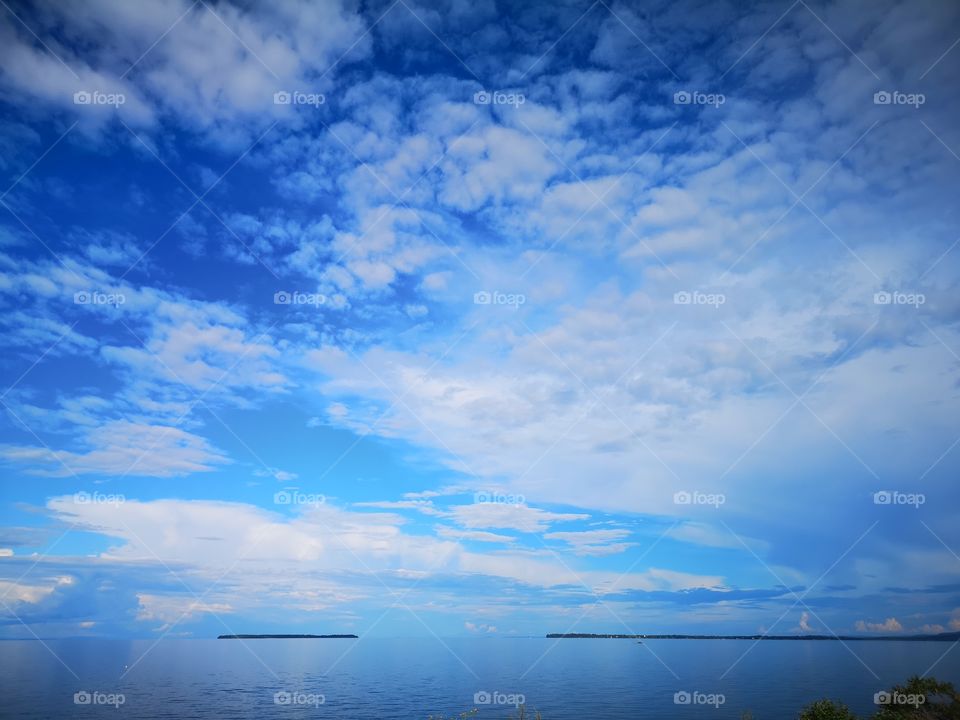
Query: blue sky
(479, 318)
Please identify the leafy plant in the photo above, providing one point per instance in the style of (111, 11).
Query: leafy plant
(522, 714)
(921, 699)
(827, 710)
(917, 699)
(461, 716)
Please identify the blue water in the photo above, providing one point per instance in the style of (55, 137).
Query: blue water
(396, 678)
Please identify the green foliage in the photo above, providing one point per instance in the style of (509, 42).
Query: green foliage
(522, 714)
(827, 710)
(917, 699)
(461, 716)
(922, 699)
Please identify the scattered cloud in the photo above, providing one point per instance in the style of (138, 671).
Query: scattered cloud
(890, 625)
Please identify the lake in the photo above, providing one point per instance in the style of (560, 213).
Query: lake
(414, 678)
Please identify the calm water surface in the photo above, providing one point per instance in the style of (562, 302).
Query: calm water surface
(395, 678)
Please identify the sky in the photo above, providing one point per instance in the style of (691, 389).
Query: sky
(479, 318)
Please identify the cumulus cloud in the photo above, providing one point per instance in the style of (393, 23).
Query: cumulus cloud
(890, 625)
(213, 68)
(805, 622)
(479, 628)
(31, 592)
(169, 610)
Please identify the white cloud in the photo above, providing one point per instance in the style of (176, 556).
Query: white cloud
(349, 550)
(277, 474)
(31, 593)
(123, 448)
(479, 628)
(422, 506)
(890, 625)
(450, 533)
(495, 165)
(515, 517)
(171, 609)
(215, 68)
(593, 542)
(169, 354)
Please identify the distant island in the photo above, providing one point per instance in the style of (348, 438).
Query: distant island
(280, 637)
(942, 637)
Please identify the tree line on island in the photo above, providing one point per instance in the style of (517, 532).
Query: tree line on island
(281, 637)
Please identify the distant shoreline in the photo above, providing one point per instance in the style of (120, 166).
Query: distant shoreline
(283, 637)
(940, 637)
